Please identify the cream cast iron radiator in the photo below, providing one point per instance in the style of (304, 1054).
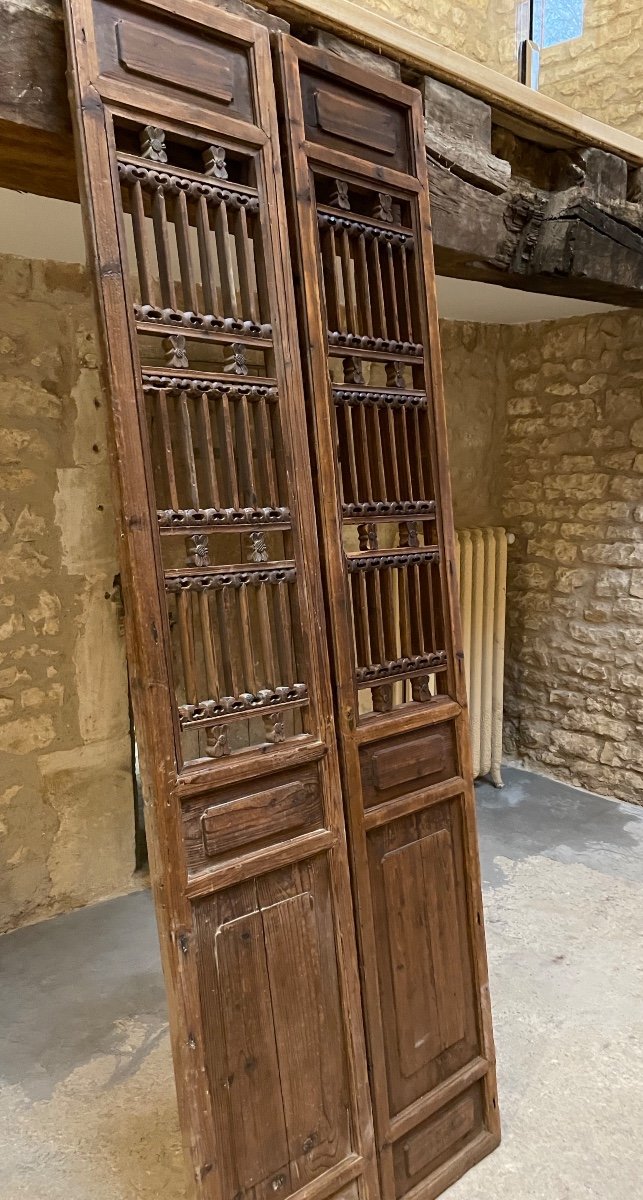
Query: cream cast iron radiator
(482, 567)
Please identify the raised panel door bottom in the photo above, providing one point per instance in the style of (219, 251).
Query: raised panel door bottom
(270, 995)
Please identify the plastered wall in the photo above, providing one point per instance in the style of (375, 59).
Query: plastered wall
(66, 800)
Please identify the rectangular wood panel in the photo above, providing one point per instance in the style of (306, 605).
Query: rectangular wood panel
(369, 340)
(175, 125)
(251, 1052)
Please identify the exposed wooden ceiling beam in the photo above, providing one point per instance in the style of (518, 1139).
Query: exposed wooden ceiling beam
(525, 109)
(504, 210)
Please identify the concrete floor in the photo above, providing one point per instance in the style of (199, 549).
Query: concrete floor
(87, 1108)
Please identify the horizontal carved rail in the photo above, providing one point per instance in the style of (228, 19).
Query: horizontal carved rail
(385, 510)
(224, 577)
(355, 227)
(228, 707)
(381, 398)
(376, 560)
(173, 183)
(357, 342)
(226, 518)
(200, 323)
(401, 668)
(215, 387)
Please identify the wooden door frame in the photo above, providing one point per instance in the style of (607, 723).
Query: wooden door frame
(95, 99)
(302, 156)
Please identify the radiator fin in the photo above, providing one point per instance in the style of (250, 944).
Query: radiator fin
(482, 568)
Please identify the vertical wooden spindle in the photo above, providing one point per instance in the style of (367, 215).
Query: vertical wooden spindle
(224, 256)
(211, 483)
(221, 624)
(278, 454)
(347, 454)
(186, 640)
(244, 453)
(350, 298)
(362, 453)
(284, 630)
(246, 267)
(247, 647)
(146, 290)
(408, 313)
(264, 454)
(329, 269)
(182, 228)
(404, 458)
(391, 292)
(266, 640)
(422, 490)
(380, 328)
(208, 272)
(389, 611)
(226, 445)
(378, 453)
(162, 241)
(390, 452)
(363, 289)
(233, 639)
(168, 451)
(185, 425)
(360, 618)
(209, 646)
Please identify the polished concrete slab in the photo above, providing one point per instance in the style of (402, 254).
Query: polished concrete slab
(87, 1109)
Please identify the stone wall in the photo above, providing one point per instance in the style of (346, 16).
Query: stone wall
(66, 799)
(600, 72)
(484, 30)
(574, 498)
(475, 387)
(546, 436)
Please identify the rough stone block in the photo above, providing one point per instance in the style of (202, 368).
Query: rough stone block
(636, 583)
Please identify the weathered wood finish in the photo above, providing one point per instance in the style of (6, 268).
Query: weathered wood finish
(186, 231)
(361, 216)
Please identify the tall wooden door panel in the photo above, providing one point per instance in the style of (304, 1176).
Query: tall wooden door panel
(175, 125)
(359, 207)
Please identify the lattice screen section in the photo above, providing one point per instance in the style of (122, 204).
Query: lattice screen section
(370, 282)
(202, 317)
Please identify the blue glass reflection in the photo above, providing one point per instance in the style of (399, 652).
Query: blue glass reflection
(557, 21)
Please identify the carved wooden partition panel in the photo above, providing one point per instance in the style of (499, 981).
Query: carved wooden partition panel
(359, 202)
(174, 110)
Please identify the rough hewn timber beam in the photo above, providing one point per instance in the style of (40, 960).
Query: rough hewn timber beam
(505, 209)
(36, 150)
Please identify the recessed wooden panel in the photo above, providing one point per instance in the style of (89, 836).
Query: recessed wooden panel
(251, 1051)
(268, 979)
(201, 72)
(346, 119)
(423, 1152)
(403, 764)
(145, 48)
(275, 812)
(352, 120)
(246, 816)
(419, 889)
(417, 869)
